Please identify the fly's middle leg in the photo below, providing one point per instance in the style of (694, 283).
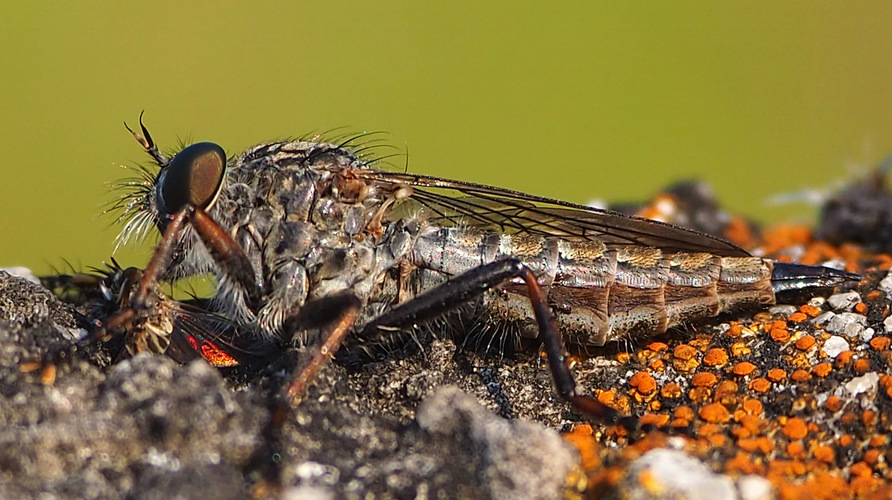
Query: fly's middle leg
(474, 283)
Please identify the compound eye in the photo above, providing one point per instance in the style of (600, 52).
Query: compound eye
(193, 176)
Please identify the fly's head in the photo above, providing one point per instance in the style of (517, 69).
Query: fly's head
(193, 176)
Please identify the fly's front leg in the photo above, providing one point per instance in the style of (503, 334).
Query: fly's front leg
(474, 283)
(145, 319)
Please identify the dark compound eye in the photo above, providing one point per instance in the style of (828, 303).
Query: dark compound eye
(193, 176)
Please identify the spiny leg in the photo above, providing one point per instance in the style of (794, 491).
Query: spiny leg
(474, 283)
(143, 315)
(337, 314)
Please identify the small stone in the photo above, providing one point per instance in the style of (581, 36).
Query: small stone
(886, 284)
(784, 310)
(823, 318)
(867, 334)
(675, 475)
(844, 301)
(839, 322)
(753, 487)
(834, 345)
(816, 301)
(887, 324)
(864, 383)
(853, 330)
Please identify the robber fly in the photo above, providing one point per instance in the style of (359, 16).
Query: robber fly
(308, 235)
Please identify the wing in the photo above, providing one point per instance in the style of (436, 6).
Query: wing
(449, 203)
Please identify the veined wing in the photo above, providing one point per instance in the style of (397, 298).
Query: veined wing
(449, 203)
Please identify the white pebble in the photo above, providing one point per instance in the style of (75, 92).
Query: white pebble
(887, 324)
(864, 383)
(783, 310)
(886, 284)
(755, 487)
(867, 334)
(844, 301)
(816, 301)
(834, 345)
(841, 321)
(676, 475)
(823, 318)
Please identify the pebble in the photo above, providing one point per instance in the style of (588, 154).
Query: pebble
(887, 324)
(755, 487)
(823, 318)
(864, 383)
(834, 345)
(844, 301)
(816, 301)
(840, 322)
(783, 310)
(867, 334)
(675, 475)
(886, 284)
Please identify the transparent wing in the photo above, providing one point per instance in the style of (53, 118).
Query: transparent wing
(449, 203)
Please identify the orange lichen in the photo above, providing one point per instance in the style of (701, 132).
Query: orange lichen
(714, 413)
(655, 419)
(743, 368)
(780, 334)
(670, 390)
(796, 449)
(685, 413)
(809, 310)
(588, 447)
(880, 343)
(862, 365)
(795, 428)
(715, 357)
(822, 369)
(833, 403)
(800, 376)
(776, 375)
(643, 382)
(797, 317)
(824, 453)
(843, 359)
(760, 385)
(752, 406)
(805, 343)
(703, 379)
(740, 349)
(657, 346)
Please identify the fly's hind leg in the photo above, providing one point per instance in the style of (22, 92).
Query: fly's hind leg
(335, 315)
(474, 283)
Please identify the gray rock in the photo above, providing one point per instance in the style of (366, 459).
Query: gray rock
(840, 324)
(844, 301)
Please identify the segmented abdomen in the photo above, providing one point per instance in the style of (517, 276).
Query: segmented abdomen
(598, 294)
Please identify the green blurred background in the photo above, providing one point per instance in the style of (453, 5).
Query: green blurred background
(577, 101)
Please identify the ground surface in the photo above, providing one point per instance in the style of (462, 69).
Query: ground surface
(791, 402)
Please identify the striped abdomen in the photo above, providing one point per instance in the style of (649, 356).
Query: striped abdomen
(598, 294)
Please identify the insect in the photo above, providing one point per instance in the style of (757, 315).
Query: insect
(308, 236)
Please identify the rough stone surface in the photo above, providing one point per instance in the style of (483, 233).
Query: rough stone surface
(149, 428)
